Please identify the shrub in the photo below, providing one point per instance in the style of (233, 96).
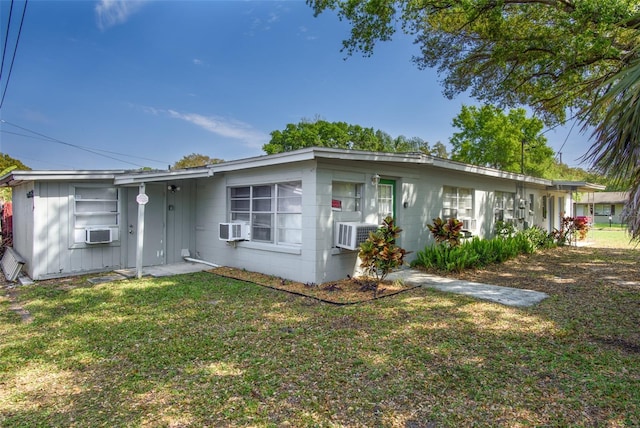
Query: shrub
(379, 254)
(505, 229)
(539, 237)
(446, 232)
(581, 226)
(479, 253)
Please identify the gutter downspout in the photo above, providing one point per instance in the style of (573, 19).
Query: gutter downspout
(187, 257)
(204, 262)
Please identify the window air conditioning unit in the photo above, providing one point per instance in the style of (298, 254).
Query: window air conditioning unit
(469, 224)
(234, 232)
(350, 235)
(98, 236)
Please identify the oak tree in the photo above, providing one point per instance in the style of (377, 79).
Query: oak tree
(340, 135)
(194, 160)
(509, 142)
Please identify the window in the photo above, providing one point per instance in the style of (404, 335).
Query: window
(531, 201)
(274, 211)
(603, 209)
(457, 203)
(96, 206)
(504, 206)
(386, 205)
(346, 196)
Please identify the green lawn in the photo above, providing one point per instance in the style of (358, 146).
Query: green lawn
(613, 237)
(201, 350)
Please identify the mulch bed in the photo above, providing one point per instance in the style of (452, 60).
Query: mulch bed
(347, 291)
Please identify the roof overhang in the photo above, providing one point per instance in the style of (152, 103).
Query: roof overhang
(155, 176)
(412, 158)
(576, 186)
(15, 177)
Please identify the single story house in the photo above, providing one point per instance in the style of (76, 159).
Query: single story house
(602, 207)
(298, 215)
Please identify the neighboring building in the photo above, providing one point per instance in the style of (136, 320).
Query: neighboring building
(284, 210)
(602, 206)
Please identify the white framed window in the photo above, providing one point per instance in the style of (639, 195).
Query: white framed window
(504, 206)
(457, 203)
(346, 196)
(96, 206)
(603, 209)
(273, 211)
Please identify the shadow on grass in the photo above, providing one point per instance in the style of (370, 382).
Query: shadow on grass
(197, 350)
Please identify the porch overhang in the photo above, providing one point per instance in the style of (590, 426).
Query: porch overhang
(576, 186)
(136, 178)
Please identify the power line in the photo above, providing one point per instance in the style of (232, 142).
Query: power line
(568, 134)
(97, 150)
(6, 39)
(15, 49)
(86, 149)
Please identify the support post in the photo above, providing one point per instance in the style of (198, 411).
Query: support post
(142, 200)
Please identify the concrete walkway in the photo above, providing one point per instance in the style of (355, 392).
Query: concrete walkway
(505, 295)
(154, 271)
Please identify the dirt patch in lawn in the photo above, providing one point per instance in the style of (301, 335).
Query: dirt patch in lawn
(343, 292)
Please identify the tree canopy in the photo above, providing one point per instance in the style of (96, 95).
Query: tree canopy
(509, 142)
(195, 160)
(341, 135)
(548, 54)
(8, 164)
(553, 55)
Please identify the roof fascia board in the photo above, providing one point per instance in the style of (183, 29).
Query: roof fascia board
(17, 177)
(576, 186)
(265, 160)
(150, 177)
(342, 154)
(423, 159)
(489, 172)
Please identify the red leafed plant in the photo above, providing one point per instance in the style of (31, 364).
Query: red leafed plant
(446, 232)
(379, 254)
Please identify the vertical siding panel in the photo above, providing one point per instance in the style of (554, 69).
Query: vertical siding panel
(23, 225)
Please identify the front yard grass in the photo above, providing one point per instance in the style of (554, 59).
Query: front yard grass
(202, 350)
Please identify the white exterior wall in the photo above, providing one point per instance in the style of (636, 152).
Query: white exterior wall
(421, 188)
(23, 223)
(283, 261)
(53, 252)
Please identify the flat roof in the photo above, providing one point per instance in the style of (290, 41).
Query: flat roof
(129, 177)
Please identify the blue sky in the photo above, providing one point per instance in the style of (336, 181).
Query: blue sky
(145, 83)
